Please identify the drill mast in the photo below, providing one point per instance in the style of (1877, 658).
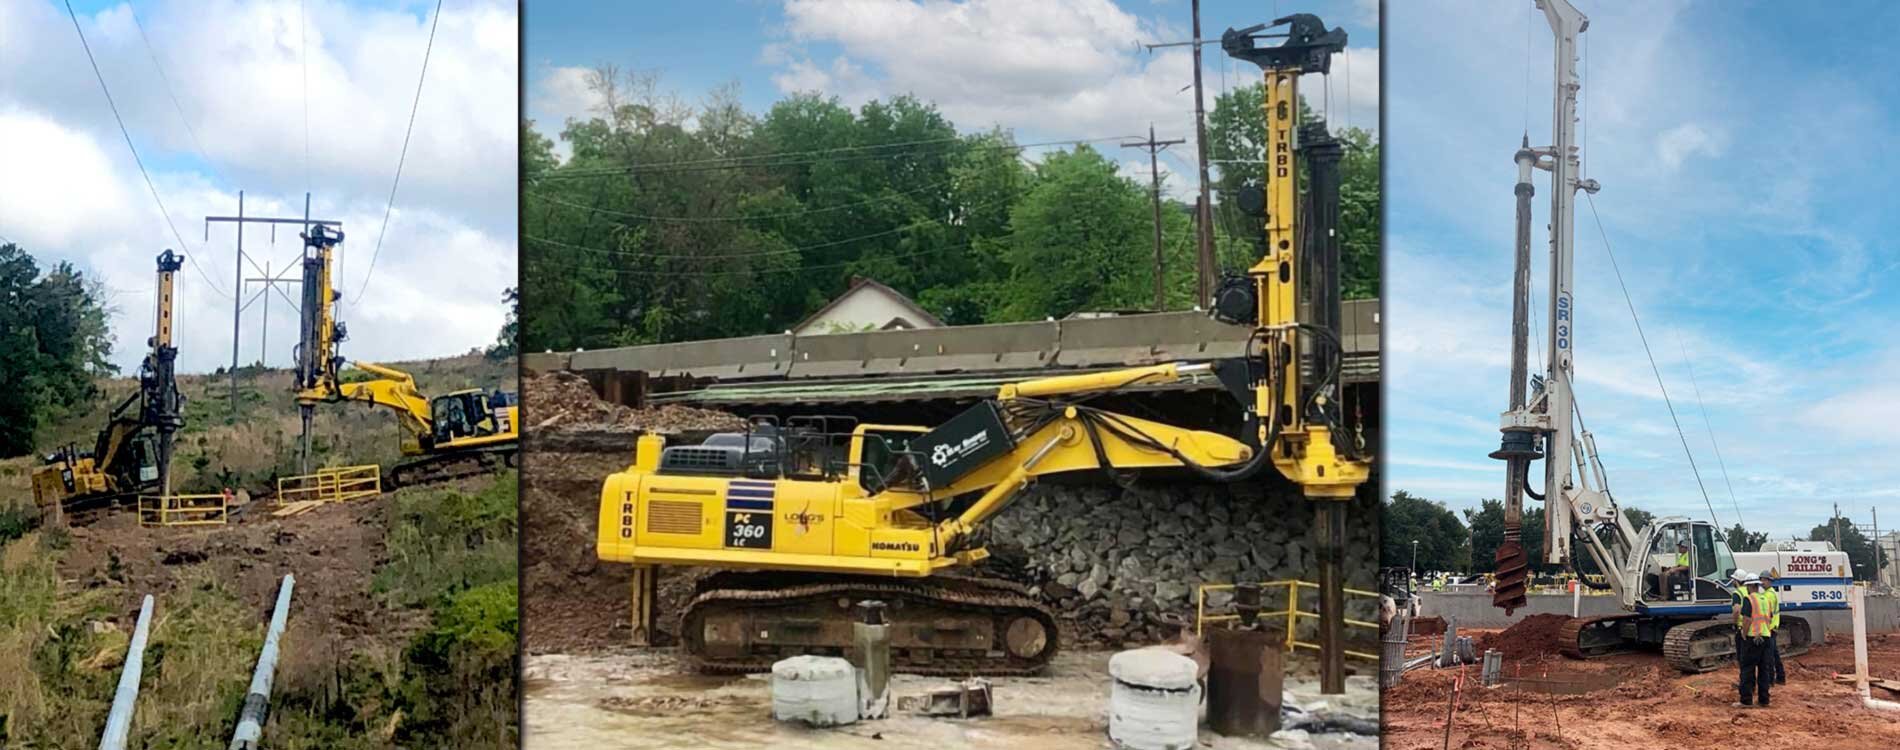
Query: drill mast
(1294, 296)
(161, 403)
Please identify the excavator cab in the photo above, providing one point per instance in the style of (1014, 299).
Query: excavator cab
(1665, 582)
(462, 414)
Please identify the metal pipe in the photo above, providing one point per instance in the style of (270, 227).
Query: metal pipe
(119, 721)
(250, 728)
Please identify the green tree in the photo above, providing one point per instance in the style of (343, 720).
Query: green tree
(1487, 532)
(505, 345)
(1442, 540)
(54, 340)
(1083, 240)
(1860, 550)
(1743, 540)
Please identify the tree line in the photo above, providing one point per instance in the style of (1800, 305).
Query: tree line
(1469, 544)
(54, 340)
(670, 221)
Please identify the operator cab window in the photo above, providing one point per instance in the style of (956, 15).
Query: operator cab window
(1702, 553)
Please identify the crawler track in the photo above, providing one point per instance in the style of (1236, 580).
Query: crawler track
(443, 467)
(944, 626)
(1594, 637)
(1708, 645)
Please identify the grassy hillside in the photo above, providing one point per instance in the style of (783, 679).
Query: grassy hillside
(402, 630)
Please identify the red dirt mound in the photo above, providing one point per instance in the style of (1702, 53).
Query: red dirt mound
(1537, 635)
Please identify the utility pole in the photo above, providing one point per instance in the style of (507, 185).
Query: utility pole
(237, 295)
(1203, 210)
(1155, 148)
(1837, 528)
(270, 283)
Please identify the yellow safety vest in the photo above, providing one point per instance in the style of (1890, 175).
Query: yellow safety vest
(1774, 608)
(1735, 605)
(1758, 623)
(1682, 559)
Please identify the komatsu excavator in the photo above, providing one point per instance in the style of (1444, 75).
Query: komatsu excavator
(1682, 612)
(133, 453)
(810, 516)
(457, 434)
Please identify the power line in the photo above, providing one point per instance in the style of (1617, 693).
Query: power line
(762, 161)
(192, 257)
(1652, 359)
(759, 253)
(404, 154)
(160, 68)
(303, 52)
(709, 219)
(716, 274)
(1711, 428)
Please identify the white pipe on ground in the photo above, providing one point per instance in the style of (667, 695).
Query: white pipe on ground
(250, 728)
(119, 721)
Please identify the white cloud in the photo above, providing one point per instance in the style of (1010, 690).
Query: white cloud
(1067, 68)
(237, 68)
(1687, 140)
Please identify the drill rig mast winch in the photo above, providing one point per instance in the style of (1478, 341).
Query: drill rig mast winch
(825, 513)
(1670, 607)
(453, 435)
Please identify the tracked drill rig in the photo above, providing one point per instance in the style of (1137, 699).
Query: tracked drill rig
(1667, 608)
(809, 516)
(133, 453)
(453, 435)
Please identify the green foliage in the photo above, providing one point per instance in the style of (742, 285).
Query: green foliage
(1860, 550)
(505, 345)
(1487, 532)
(1742, 540)
(444, 541)
(461, 682)
(654, 231)
(1441, 538)
(53, 342)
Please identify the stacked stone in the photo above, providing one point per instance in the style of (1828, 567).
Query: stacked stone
(1114, 562)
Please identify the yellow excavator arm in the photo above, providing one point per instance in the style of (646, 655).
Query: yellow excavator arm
(392, 389)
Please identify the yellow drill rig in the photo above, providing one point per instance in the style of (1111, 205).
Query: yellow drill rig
(812, 515)
(457, 434)
(133, 453)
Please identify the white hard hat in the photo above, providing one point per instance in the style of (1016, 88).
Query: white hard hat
(1752, 578)
(1739, 575)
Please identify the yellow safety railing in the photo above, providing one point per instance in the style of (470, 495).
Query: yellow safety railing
(331, 485)
(183, 510)
(1292, 613)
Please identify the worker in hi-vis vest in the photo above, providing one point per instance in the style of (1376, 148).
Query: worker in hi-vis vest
(1771, 584)
(1679, 571)
(1735, 604)
(1757, 613)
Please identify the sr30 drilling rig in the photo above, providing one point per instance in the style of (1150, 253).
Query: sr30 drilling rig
(457, 434)
(1667, 609)
(133, 453)
(813, 515)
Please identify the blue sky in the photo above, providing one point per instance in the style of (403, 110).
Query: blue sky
(1048, 70)
(70, 190)
(1747, 169)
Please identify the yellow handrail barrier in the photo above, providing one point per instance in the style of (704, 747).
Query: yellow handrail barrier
(183, 510)
(1292, 612)
(331, 485)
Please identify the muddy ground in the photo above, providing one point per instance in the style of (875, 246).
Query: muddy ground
(646, 699)
(1634, 700)
(334, 550)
